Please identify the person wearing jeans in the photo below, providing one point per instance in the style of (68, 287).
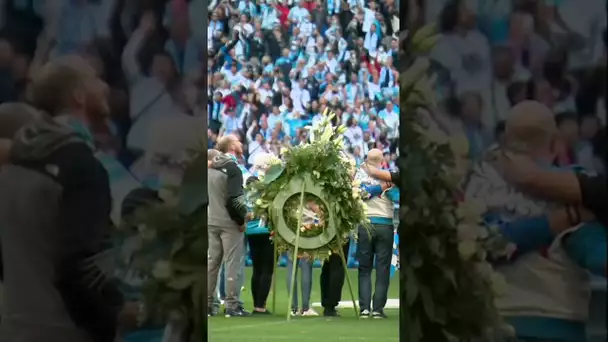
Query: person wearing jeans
(376, 243)
(305, 265)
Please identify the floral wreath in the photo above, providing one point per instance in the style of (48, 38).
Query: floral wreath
(310, 194)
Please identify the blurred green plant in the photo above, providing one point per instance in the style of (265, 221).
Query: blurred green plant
(450, 288)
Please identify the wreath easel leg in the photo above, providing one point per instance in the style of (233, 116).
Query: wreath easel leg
(274, 278)
(295, 252)
(348, 283)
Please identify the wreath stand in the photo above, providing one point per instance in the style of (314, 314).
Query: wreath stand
(302, 186)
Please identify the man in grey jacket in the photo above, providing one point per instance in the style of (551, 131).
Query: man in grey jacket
(226, 219)
(54, 214)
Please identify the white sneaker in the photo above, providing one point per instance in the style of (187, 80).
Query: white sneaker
(310, 312)
(364, 314)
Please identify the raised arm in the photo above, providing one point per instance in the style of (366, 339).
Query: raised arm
(130, 65)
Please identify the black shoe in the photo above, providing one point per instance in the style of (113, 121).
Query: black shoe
(379, 315)
(212, 311)
(330, 312)
(238, 312)
(364, 314)
(266, 312)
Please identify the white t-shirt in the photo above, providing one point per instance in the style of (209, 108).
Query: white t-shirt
(467, 59)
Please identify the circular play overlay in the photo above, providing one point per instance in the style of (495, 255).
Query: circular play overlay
(317, 227)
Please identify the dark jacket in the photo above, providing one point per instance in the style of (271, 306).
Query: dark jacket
(595, 195)
(226, 195)
(54, 213)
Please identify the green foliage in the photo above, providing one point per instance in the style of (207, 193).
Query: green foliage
(324, 160)
(448, 296)
(166, 247)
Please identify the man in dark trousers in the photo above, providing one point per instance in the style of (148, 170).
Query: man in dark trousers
(226, 219)
(332, 281)
(54, 213)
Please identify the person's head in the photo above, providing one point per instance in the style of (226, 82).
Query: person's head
(568, 127)
(530, 129)
(162, 67)
(374, 157)
(516, 92)
(230, 144)
(259, 138)
(540, 90)
(504, 62)
(470, 106)
(456, 14)
(70, 85)
(386, 157)
(589, 126)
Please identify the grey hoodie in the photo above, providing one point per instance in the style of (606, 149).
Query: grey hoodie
(226, 195)
(54, 211)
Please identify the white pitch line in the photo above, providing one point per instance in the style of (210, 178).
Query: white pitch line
(211, 330)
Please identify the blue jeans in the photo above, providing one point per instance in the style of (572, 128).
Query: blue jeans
(379, 247)
(305, 266)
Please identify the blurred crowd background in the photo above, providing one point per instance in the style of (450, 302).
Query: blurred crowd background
(496, 53)
(272, 69)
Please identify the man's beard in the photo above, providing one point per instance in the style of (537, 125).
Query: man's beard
(98, 115)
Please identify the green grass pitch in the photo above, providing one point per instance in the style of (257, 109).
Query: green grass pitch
(276, 328)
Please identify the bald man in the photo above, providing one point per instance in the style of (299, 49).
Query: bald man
(378, 246)
(556, 260)
(47, 241)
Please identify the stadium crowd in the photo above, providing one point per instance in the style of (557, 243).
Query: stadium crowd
(495, 54)
(275, 66)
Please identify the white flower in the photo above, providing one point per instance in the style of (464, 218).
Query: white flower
(467, 249)
(162, 270)
(356, 193)
(470, 212)
(467, 232)
(258, 201)
(316, 174)
(302, 229)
